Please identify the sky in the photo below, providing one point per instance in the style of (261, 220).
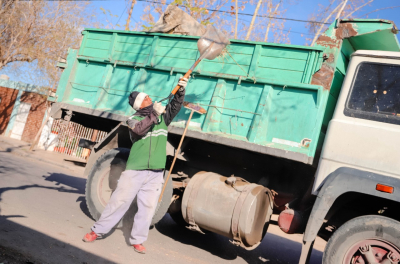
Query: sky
(299, 9)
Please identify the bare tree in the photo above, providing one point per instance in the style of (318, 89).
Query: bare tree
(379, 9)
(236, 18)
(336, 9)
(253, 19)
(322, 26)
(271, 14)
(204, 11)
(128, 20)
(268, 18)
(35, 33)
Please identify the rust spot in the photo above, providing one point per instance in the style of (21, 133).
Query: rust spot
(323, 77)
(331, 58)
(240, 183)
(345, 30)
(326, 41)
(257, 190)
(242, 124)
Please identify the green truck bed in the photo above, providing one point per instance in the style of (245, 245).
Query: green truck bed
(270, 98)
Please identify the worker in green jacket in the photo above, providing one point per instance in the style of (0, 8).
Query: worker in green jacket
(144, 169)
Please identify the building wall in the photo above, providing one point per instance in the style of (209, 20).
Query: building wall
(36, 114)
(8, 97)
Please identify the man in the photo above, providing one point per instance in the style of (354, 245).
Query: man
(144, 169)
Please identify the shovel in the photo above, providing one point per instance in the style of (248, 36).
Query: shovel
(210, 46)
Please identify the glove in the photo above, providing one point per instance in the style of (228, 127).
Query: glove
(182, 83)
(158, 108)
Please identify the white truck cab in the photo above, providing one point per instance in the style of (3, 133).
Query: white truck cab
(364, 132)
(358, 176)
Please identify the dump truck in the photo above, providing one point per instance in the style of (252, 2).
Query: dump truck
(308, 133)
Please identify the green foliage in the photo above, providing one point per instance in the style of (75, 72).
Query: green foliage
(193, 9)
(147, 28)
(207, 22)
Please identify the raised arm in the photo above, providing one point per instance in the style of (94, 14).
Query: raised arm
(173, 108)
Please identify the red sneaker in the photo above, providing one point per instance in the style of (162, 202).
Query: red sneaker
(139, 248)
(90, 237)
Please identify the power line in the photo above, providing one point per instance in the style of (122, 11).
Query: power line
(246, 14)
(287, 30)
(290, 31)
(120, 16)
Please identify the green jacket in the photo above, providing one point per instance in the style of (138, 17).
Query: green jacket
(149, 136)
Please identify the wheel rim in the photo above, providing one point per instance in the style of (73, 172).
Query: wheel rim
(103, 188)
(371, 251)
(108, 182)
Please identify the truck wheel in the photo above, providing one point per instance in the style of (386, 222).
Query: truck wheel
(163, 206)
(102, 181)
(175, 211)
(365, 240)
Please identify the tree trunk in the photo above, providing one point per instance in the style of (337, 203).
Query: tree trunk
(237, 17)
(341, 9)
(269, 20)
(128, 21)
(253, 19)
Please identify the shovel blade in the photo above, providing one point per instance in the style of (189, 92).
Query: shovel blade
(207, 49)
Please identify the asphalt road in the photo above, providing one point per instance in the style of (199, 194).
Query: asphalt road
(43, 217)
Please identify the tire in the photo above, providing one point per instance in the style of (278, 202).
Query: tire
(175, 212)
(382, 234)
(102, 181)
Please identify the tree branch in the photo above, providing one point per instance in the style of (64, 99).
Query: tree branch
(237, 18)
(358, 8)
(253, 19)
(376, 10)
(322, 25)
(269, 21)
(341, 9)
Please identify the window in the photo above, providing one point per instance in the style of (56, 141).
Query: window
(375, 93)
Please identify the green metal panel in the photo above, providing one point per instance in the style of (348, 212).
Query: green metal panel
(257, 93)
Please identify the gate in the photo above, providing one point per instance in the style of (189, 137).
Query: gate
(68, 136)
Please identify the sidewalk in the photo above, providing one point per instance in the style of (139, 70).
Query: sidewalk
(21, 148)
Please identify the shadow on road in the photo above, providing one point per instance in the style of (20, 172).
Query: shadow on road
(76, 183)
(17, 238)
(269, 251)
(14, 148)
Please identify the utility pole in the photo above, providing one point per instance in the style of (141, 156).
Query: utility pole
(129, 15)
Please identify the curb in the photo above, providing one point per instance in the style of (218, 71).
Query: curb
(32, 156)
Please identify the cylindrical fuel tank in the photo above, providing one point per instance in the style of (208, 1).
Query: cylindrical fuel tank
(231, 207)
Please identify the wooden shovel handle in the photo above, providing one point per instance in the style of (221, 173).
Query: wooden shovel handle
(178, 86)
(187, 75)
(176, 155)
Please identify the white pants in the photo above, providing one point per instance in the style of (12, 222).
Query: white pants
(147, 185)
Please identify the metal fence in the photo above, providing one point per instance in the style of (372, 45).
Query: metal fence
(68, 136)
